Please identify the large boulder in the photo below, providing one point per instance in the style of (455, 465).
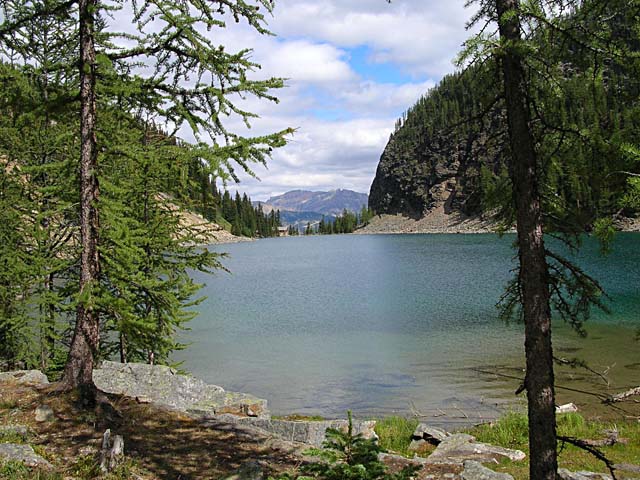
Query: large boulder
(461, 447)
(162, 385)
(24, 377)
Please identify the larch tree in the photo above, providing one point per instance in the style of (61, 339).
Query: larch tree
(172, 73)
(529, 51)
(533, 269)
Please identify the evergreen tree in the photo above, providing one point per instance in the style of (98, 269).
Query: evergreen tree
(170, 33)
(539, 133)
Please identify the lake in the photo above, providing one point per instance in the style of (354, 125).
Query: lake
(390, 324)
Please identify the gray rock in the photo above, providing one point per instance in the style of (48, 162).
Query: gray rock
(25, 377)
(565, 474)
(476, 471)
(460, 447)
(164, 386)
(299, 431)
(22, 453)
(433, 435)
(44, 413)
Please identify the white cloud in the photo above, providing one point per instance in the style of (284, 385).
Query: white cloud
(343, 119)
(323, 155)
(306, 62)
(420, 36)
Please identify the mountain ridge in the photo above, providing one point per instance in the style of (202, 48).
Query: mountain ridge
(331, 202)
(299, 207)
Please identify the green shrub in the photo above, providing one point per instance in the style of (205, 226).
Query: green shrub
(345, 456)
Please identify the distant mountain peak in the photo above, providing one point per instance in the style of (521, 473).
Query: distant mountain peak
(318, 203)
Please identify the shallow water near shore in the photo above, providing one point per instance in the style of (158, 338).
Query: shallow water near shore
(398, 324)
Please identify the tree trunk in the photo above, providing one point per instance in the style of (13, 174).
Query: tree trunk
(86, 336)
(533, 266)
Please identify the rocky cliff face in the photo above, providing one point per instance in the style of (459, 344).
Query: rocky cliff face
(434, 157)
(414, 178)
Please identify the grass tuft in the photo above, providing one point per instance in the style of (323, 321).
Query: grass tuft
(511, 431)
(395, 433)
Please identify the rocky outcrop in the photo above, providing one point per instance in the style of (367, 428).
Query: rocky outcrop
(164, 386)
(211, 404)
(468, 470)
(435, 155)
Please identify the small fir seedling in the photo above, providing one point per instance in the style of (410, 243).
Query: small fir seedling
(345, 456)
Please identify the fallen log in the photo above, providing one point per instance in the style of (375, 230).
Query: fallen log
(612, 439)
(621, 397)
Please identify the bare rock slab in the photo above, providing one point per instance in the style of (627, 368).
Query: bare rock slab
(461, 447)
(25, 377)
(22, 453)
(164, 386)
(476, 471)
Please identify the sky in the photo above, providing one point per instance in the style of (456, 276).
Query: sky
(353, 67)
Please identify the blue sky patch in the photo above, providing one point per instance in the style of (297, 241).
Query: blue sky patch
(360, 60)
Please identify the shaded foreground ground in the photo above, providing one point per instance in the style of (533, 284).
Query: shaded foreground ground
(160, 444)
(169, 445)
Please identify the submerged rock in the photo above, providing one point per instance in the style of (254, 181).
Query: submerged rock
(22, 453)
(164, 386)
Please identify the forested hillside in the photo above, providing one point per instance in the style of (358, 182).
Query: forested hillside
(451, 145)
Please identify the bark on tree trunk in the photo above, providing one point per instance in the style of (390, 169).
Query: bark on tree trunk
(533, 266)
(86, 336)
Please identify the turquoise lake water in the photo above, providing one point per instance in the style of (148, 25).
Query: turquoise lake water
(378, 324)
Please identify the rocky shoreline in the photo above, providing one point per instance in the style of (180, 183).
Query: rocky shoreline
(154, 413)
(439, 221)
